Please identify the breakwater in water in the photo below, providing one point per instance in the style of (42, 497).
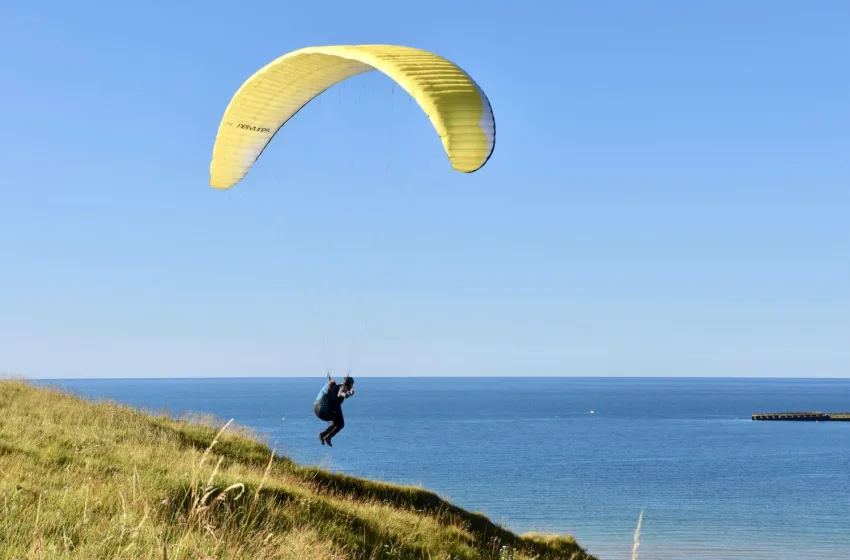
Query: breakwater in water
(804, 416)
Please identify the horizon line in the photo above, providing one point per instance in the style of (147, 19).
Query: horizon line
(254, 377)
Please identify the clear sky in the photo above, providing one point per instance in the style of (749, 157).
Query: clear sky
(669, 194)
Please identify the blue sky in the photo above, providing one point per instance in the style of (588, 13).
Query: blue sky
(669, 194)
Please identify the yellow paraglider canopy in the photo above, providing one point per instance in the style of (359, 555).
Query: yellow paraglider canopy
(456, 106)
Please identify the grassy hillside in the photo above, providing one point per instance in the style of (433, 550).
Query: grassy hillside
(97, 480)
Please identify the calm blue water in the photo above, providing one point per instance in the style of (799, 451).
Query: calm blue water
(712, 483)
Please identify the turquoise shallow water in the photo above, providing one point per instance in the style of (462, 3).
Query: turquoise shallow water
(713, 484)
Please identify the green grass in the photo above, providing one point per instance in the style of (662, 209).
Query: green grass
(80, 479)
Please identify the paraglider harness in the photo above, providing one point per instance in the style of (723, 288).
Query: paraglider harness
(328, 404)
(345, 390)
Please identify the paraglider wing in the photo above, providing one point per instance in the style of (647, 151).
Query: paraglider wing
(456, 106)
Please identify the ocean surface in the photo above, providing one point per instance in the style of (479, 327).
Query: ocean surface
(528, 452)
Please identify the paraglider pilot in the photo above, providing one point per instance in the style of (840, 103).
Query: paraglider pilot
(328, 406)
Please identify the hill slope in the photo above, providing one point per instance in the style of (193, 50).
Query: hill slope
(99, 480)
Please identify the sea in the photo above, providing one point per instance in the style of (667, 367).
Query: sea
(580, 456)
